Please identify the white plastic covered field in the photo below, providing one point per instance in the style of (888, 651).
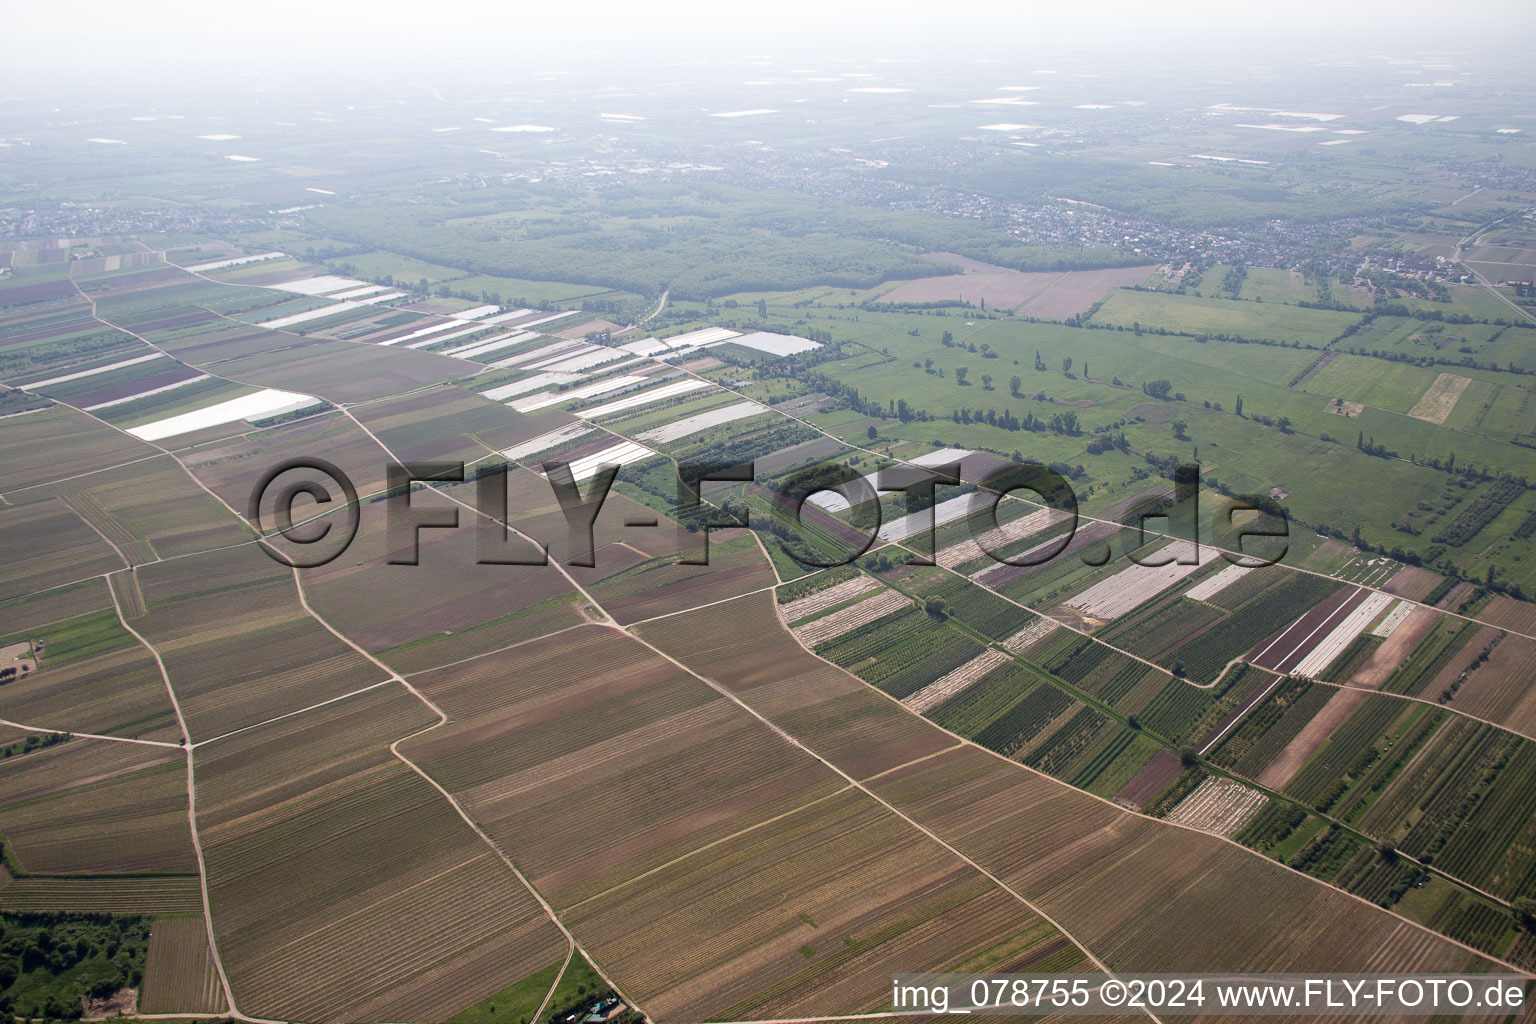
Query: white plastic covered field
(1129, 588)
(258, 405)
(832, 501)
(1341, 636)
(621, 454)
(544, 442)
(701, 421)
(1394, 619)
(672, 390)
(773, 344)
(1219, 805)
(1210, 587)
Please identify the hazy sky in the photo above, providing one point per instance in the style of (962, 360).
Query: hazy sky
(194, 43)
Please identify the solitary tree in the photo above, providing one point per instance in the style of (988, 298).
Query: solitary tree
(960, 372)
(986, 382)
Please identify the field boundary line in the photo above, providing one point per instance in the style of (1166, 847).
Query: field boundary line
(707, 846)
(97, 531)
(499, 650)
(162, 453)
(750, 828)
(707, 604)
(197, 842)
(89, 735)
(291, 714)
(916, 760)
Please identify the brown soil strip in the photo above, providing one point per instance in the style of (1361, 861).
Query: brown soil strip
(1279, 771)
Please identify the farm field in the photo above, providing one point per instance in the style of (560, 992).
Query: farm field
(325, 850)
(148, 510)
(236, 645)
(708, 662)
(1224, 317)
(491, 755)
(446, 600)
(507, 737)
(179, 976)
(54, 548)
(87, 807)
(1138, 868)
(880, 890)
(76, 444)
(127, 894)
(1050, 296)
(88, 674)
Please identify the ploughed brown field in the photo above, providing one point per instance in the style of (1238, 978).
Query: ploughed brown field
(1050, 295)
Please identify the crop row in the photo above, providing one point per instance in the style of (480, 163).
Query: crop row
(1352, 658)
(1382, 880)
(1327, 855)
(1484, 509)
(1277, 820)
(1075, 661)
(1349, 752)
(1175, 708)
(1261, 616)
(1266, 748)
(828, 598)
(1130, 677)
(1180, 710)
(1447, 747)
(1011, 731)
(921, 660)
(1102, 758)
(1495, 847)
(823, 580)
(1480, 925)
(1252, 744)
(978, 607)
(969, 712)
(1398, 754)
(873, 637)
(1431, 654)
(1064, 746)
(1152, 634)
(1456, 791)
